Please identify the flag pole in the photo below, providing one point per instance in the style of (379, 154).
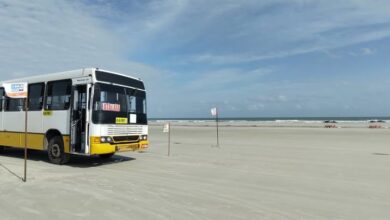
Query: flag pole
(25, 140)
(167, 129)
(20, 90)
(169, 139)
(216, 118)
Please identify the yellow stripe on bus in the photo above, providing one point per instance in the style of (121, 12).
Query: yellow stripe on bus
(34, 140)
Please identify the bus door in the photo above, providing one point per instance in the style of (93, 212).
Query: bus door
(79, 119)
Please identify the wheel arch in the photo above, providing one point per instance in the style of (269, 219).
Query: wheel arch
(50, 134)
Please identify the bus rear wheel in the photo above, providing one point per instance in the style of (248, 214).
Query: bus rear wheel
(55, 151)
(106, 156)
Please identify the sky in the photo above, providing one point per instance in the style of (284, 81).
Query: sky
(264, 58)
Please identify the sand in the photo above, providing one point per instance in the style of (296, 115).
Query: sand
(256, 173)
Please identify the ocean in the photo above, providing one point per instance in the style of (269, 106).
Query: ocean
(279, 119)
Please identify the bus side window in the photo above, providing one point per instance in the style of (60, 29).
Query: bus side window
(58, 95)
(1, 98)
(13, 105)
(35, 96)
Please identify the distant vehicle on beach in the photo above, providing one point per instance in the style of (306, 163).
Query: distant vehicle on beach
(330, 121)
(86, 112)
(377, 121)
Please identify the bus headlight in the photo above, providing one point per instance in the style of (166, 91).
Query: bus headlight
(143, 137)
(105, 140)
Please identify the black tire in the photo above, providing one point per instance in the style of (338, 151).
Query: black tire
(55, 151)
(106, 156)
(2, 149)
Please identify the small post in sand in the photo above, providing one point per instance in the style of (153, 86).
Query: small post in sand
(214, 112)
(167, 129)
(25, 139)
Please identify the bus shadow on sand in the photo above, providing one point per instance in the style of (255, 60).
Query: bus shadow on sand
(75, 160)
(93, 161)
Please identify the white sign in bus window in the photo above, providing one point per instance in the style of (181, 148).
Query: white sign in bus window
(133, 118)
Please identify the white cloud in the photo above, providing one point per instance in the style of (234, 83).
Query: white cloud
(47, 36)
(367, 51)
(228, 32)
(226, 78)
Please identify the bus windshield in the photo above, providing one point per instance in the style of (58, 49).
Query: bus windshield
(112, 102)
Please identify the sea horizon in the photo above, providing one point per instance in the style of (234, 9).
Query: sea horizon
(327, 118)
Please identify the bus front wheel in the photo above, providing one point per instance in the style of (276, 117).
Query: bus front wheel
(56, 152)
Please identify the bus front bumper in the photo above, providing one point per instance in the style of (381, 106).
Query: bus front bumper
(108, 148)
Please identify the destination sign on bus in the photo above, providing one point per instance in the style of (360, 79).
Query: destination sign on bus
(111, 107)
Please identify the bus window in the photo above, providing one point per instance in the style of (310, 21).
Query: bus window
(13, 105)
(110, 98)
(111, 102)
(58, 95)
(136, 102)
(1, 98)
(140, 102)
(35, 96)
(132, 104)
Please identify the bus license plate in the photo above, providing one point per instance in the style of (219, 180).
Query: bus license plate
(119, 120)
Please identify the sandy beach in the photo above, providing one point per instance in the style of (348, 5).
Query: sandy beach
(257, 172)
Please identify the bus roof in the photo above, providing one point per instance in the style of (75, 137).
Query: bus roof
(66, 75)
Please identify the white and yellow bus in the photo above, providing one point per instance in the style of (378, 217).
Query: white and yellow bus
(86, 112)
